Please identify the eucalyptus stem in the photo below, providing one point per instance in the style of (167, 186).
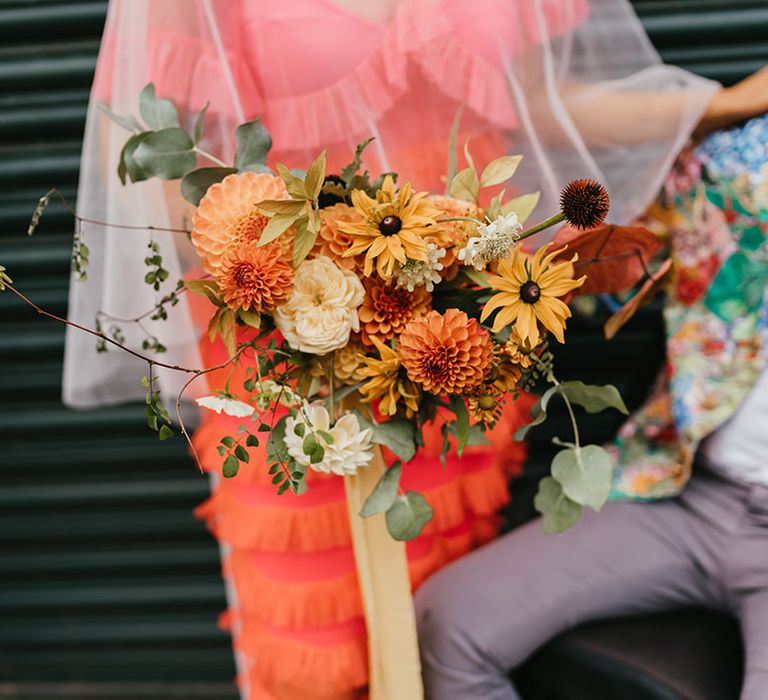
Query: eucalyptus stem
(568, 405)
(551, 221)
(211, 157)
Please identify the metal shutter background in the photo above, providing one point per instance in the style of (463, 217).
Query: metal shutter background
(108, 586)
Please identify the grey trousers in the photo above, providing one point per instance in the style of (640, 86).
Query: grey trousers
(482, 616)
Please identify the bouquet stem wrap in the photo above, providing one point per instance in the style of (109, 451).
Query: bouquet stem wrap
(382, 569)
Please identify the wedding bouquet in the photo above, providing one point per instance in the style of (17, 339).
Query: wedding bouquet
(361, 310)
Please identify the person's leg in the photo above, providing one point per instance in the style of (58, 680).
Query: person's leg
(754, 625)
(485, 614)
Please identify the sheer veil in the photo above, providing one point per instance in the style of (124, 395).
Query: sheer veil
(574, 85)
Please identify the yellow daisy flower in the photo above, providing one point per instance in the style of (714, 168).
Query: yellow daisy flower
(393, 227)
(528, 291)
(386, 381)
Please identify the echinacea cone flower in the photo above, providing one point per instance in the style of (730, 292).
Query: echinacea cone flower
(387, 308)
(255, 278)
(387, 381)
(393, 227)
(528, 291)
(584, 203)
(445, 353)
(332, 242)
(227, 218)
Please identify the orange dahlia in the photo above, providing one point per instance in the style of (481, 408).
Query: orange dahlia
(227, 218)
(387, 308)
(445, 353)
(332, 242)
(255, 278)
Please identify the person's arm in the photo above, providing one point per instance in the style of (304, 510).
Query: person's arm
(731, 105)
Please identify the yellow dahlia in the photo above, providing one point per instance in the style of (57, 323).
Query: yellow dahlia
(393, 228)
(528, 290)
(255, 278)
(445, 353)
(227, 218)
(386, 381)
(332, 242)
(387, 308)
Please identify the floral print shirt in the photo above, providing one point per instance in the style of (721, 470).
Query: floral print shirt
(714, 208)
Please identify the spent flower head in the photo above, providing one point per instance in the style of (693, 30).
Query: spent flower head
(422, 273)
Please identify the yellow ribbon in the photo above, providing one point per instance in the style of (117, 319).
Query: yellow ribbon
(382, 569)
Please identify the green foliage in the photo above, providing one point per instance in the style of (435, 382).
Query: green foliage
(397, 434)
(42, 204)
(253, 144)
(585, 474)
(154, 261)
(168, 154)
(128, 167)
(465, 185)
(197, 131)
(594, 398)
(127, 121)
(408, 515)
(156, 112)
(195, 183)
(499, 170)
(559, 512)
(384, 494)
(348, 171)
(80, 255)
(462, 422)
(158, 418)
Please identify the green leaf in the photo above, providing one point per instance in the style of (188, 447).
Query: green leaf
(167, 154)
(293, 184)
(231, 466)
(594, 398)
(197, 132)
(242, 454)
(277, 225)
(407, 516)
(227, 440)
(249, 318)
(465, 185)
(252, 441)
(207, 288)
(585, 474)
(195, 183)
(348, 171)
(302, 243)
(479, 278)
(538, 413)
(559, 512)
(165, 432)
(127, 121)
(499, 170)
(397, 434)
(313, 181)
(128, 165)
(309, 445)
(253, 144)
(384, 493)
(523, 206)
(462, 422)
(156, 112)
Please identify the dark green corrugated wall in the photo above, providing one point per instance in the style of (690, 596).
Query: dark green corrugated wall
(108, 586)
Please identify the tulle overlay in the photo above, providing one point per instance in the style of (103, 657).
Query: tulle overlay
(299, 616)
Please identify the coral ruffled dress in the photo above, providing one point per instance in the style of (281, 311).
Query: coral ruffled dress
(325, 77)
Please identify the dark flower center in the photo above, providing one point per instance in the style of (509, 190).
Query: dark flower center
(530, 292)
(390, 225)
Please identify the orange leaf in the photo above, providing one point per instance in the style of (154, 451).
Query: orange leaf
(643, 296)
(614, 258)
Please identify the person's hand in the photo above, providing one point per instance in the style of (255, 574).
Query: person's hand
(733, 104)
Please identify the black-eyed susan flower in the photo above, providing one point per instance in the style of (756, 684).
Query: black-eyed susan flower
(386, 380)
(528, 294)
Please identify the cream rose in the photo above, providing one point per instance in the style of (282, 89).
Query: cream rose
(322, 309)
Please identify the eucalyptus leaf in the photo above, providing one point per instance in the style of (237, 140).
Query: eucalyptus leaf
(499, 170)
(195, 183)
(397, 434)
(465, 185)
(158, 113)
(559, 512)
(253, 144)
(167, 154)
(585, 474)
(407, 516)
(127, 121)
(538, 413)
(384, 493)
(594, 398)
(197, 132)
(128, 167)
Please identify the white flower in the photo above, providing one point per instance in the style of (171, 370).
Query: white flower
(226, 403)
(350, 449)
(322, 308)
(416, 273)
(270, 390)
(496, 241)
